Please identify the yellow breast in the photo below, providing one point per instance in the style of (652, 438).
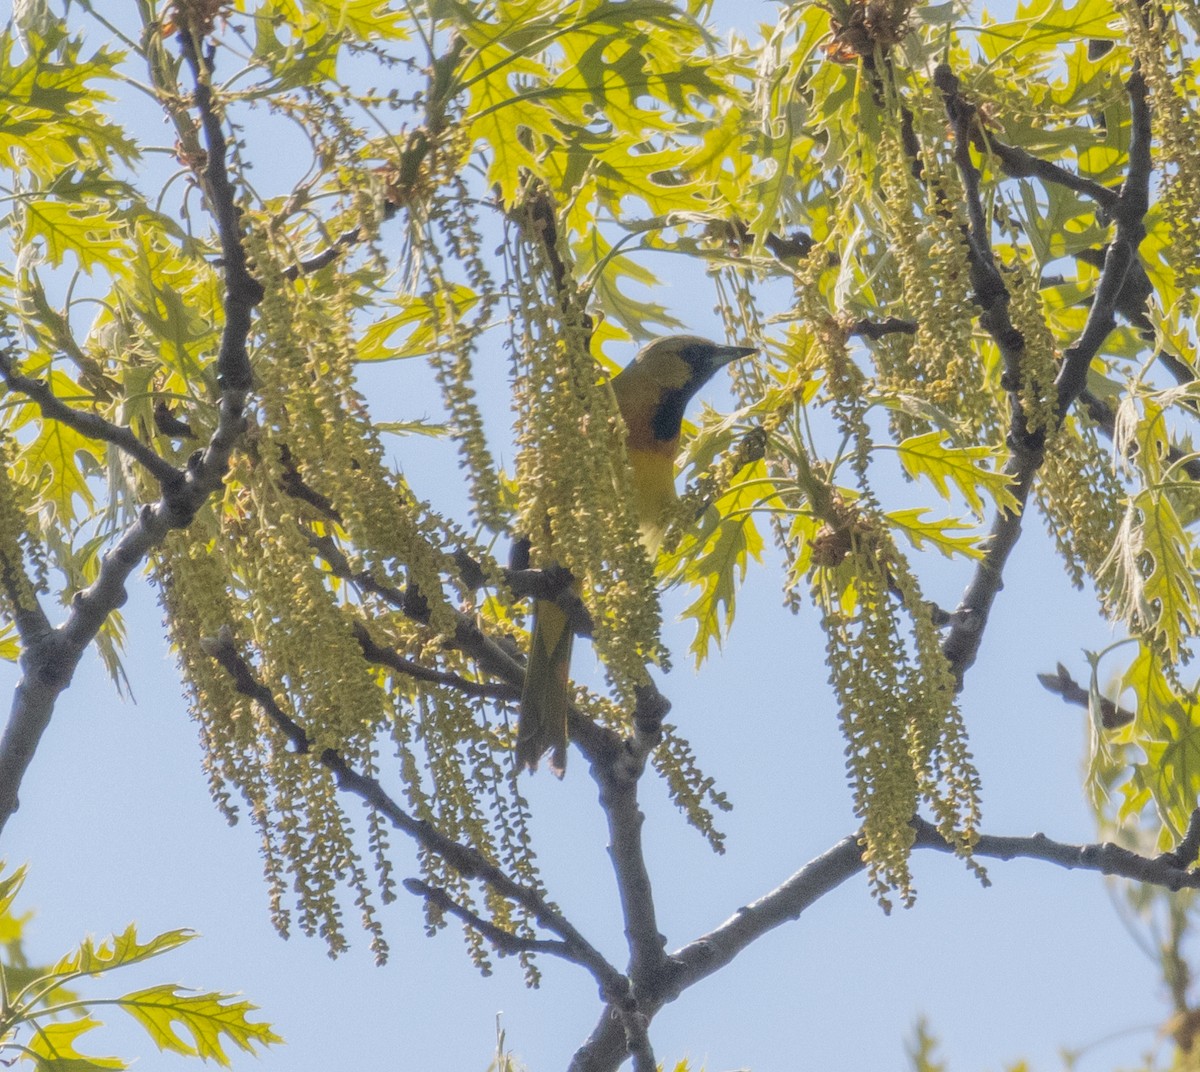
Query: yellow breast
(653, 480)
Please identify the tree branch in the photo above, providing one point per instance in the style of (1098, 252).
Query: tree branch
(969, 619)
(1129, 214)
(507, 944)
(345, 241)
(624, 818)
(991, 294)
(393, 660)
(1106, 857)
(467, 861)
(966, 634)
(1020, 164)
(52, 654)
(604, 1049)
(877, 329)
(242, 291)
(88, 424)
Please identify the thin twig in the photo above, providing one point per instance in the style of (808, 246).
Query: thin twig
(293, 484)
(468, 637)
(507, 944)
(393, 660)
(1061, 683)
(345, 241)
(877, 329)
(1019, 164)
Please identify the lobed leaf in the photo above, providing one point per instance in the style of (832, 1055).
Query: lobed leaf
(717, 558)
(53, 1048)
(207, 1018)
(944, 534)
(958, 467)
(119, 950)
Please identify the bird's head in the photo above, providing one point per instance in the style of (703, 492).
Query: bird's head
(655, 387)
(682, 364)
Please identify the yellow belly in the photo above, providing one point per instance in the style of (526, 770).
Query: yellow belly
(653, 481)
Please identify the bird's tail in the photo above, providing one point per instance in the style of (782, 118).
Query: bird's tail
(542, 726)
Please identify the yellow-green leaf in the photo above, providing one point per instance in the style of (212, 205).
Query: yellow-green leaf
(119, 950)
(53, 1047)
(958, 467)
(10, 886)
(52, 464)
(365, 19)
(424, 318)
(717, 558)
(209, 1020)
(945, 534)
(50, 120)
(1170, 586)
(90, 230)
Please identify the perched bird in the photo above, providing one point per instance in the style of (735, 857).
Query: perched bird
(652, 392)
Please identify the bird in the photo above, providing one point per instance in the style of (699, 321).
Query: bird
(652, 392)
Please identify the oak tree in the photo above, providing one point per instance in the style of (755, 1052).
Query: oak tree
(966, 245)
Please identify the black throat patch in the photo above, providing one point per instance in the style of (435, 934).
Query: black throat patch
(668, 414)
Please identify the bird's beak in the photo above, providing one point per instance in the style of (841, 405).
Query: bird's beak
(722, 355)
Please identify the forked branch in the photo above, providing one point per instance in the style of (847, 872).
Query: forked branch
(604, 1050)
(51, 655)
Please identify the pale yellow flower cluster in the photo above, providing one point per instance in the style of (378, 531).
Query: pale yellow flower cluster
(1159, 48)
(1039, 356)
(462, 316)
(314, 533)
(17, 587)
(1081, 498)
(906, 742)
(942, 364)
